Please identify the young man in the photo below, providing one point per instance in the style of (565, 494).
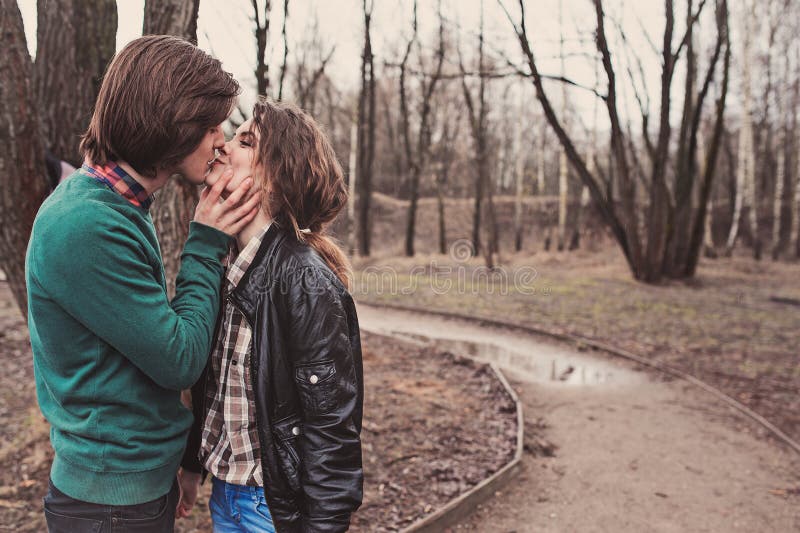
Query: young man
(111, 352)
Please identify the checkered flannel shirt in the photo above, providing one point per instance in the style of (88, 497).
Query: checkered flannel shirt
(229, 448)
(116, 179)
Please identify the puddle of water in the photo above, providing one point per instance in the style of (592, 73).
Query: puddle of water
(537, 368)
(528, 357)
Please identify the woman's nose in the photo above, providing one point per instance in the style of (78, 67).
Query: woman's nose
(219, 139)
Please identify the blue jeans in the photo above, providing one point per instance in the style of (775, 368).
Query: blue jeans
(65, 514)
(239, 509)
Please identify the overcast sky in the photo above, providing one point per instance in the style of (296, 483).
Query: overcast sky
(225, 29)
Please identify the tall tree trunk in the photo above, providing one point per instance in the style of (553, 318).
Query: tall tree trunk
(794, 238)
(540, 161)
(477, 111)
(75, 42)
(23, 185)
(563, 169)
(710, 155)
(366, 134)
(418, 157)
(745, 154)
(442, 221)
(171, 17)
(174, 209)
(493, 246)
(262, 40)
(590, 163)
(285, 49)
(709, 249)
(540, 186)
(794, 211)
(780, 171)
(658, 212)
(563, 196)
(689, 207)
(351, 187)
(519, 174)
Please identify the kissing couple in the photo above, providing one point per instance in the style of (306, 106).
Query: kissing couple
(261, 328)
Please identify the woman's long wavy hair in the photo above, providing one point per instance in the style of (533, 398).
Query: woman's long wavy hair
(303, 177)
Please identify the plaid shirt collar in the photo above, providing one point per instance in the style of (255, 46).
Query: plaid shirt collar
(116, 179)
(237, 269)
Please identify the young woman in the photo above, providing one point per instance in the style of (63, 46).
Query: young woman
(278, 411)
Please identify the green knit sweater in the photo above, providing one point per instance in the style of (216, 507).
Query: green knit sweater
(111, 353)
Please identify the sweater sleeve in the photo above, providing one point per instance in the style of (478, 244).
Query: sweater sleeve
(98, 272)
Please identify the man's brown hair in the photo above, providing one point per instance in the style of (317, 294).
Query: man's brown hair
(159, 97)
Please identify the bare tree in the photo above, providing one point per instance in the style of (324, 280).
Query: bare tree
(75, 42)
(285, 48)
(692, 184)
(366, 133)
(780, 172)
(745, 171)
(310, 65)
(645, 257)
(393, 129)
(519, 170)
(591, 163)
(351, 186)
(418, 150)
(444, 155)
(794, 232)
(23, 185)
(262, 40)
(563, 168)
(174, 209)
(477, 114)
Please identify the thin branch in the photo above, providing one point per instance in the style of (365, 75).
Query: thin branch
(285, 49)
(688, 33)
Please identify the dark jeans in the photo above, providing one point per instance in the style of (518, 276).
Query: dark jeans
(68, 515)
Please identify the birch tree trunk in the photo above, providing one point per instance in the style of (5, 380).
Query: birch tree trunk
(794, 239)
(575, 241)
(780, 171)
(174, 209)
(745, 155)
(794, 234)
(540, 185)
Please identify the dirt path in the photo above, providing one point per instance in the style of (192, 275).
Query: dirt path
(634, 452)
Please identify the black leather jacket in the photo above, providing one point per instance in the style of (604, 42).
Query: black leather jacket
(307, 376)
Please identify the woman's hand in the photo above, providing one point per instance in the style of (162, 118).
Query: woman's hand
(231, 214)
(189, 482)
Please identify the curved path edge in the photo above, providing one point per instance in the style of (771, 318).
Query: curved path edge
(618, 352)
(461, 506)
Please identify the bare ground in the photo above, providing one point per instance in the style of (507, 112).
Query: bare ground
(610, 447)
(733, 326)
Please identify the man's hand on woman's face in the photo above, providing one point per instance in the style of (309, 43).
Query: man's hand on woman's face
(228, 214)
(221, 163)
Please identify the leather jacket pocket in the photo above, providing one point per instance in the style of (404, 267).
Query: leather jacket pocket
(287, 439)
(316, 386)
